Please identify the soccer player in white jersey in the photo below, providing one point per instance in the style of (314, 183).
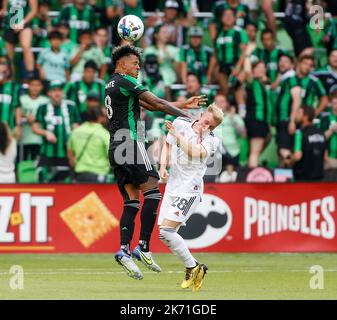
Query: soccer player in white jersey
(187, 148)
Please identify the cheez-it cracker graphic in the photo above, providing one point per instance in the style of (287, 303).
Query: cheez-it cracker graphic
(89, 219)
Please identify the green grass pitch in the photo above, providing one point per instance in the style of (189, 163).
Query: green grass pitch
(230, 276)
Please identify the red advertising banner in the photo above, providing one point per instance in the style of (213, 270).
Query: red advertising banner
(231, 218)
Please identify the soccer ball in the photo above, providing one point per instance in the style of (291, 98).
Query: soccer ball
(130, 28)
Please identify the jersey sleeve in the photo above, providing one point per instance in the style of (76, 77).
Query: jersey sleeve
(320, 89)
(244, 37)
(132, 86)
(170, 139)
(298, 141)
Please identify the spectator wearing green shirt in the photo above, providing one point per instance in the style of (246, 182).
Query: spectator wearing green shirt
(10, 111)
(168, 55)
(229, 131)
(194, 88)
(88, 148)
(67, 45)
(80, 17)
(288, 101)
(241, 12)
(78, 91)
(329, 126)
(41, 25)
(29, 103)
(54, 122)
(101, 38)
(259, 111)
(269, 53)
(85, 51)
(312, 90)
(230, 51)
(195, 56)
(17, 29)
(52, 63)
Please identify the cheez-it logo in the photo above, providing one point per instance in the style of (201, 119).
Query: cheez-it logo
(22, 218)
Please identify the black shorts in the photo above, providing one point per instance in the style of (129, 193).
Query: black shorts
(131, 163)
(226, 69)
(298, 33)
(256, 128)
(283, 139)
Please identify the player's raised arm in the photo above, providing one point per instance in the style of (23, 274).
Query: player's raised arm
(151, 102)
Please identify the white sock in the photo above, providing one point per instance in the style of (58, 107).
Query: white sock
(177, 245)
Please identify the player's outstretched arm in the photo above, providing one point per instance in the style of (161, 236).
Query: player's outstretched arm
(151, 102)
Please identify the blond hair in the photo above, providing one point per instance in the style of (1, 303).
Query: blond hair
(216, 112)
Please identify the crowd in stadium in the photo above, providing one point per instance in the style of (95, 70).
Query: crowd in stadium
(259, 60)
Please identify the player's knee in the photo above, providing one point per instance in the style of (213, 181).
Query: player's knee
(165, 233)
(152, 194)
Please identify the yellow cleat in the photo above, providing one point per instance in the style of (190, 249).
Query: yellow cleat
(190, 276)
(199, 278)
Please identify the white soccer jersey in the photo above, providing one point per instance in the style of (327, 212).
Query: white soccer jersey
(186, 174)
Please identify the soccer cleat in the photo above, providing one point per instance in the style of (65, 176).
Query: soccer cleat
(190, 276)
(199, 278)
(145, 258)
(128, 265)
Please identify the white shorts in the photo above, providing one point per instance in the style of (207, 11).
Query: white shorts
(178, 207)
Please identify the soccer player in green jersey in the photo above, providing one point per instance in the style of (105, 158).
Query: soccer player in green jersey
(19, 14)
(10, 111)
(287, 102)
(312, 90)
(133, 169)
(54, 121)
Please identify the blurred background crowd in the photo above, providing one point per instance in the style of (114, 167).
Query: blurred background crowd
(259, 60)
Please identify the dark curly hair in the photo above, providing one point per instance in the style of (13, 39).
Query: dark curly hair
(124, 51)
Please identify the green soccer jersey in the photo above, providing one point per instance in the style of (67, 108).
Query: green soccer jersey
(326, 122)
(270, 58)
(9, 101)
(3, 51)
(58, 120)
(78, 92)
(196, 60)
(122, 104)
(78, 20)
(242, 13)
(227, 45)
(40, 35)
(284, 99)
(312, 90)
(259, 105)
(16, 11)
